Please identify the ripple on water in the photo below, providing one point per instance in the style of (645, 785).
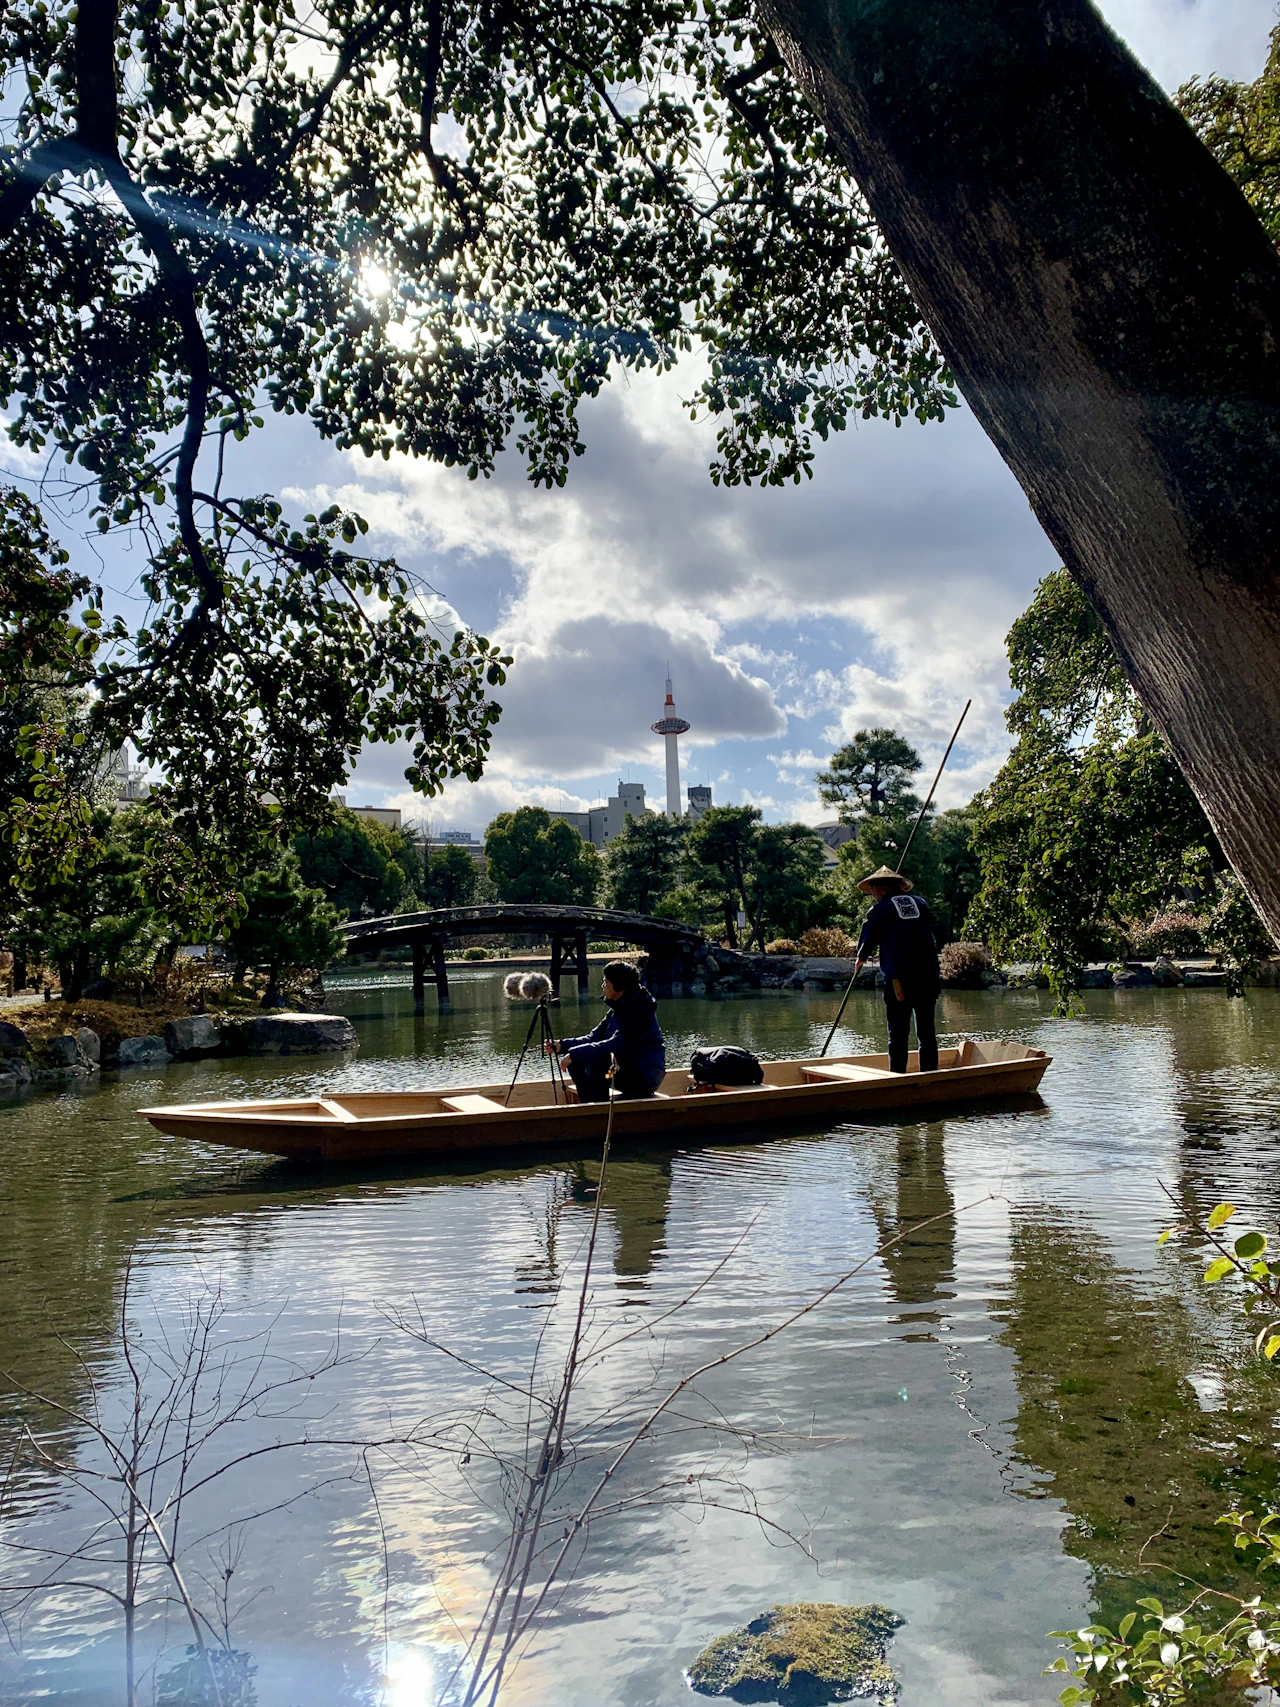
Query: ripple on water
(956, 1427)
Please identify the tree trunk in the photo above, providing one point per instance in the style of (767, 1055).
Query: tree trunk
(1110, 307)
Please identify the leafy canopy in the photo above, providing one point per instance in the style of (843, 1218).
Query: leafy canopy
(288, 926)
(871, 776)
(451, 878)
(1240, 123)
(533, 857)
(642, 863)
(1090, 823)
(361, 866)
(429, 230)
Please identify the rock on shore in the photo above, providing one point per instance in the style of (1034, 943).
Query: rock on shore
(192, 1037)
(146, 1051)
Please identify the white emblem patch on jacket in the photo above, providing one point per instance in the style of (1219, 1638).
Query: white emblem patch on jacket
(906, 906)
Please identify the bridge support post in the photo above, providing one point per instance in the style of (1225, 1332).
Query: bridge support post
(581, 967)
(419, 978)
(443, 1004)
(557, 963)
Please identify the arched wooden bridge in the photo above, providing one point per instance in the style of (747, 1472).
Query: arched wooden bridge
(670, 946)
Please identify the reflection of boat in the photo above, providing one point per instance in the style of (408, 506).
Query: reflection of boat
(370, 1125)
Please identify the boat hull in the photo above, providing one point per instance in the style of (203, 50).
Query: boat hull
(362, 1127)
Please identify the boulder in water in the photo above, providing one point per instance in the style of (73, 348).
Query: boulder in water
(146, 1051)
(191, 1036)
(803, 1655)
(301, 1034)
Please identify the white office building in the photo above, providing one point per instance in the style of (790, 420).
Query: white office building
(600, 824)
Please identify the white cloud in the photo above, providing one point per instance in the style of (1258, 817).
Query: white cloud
(880, 592)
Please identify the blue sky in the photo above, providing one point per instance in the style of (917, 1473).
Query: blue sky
(878, 592)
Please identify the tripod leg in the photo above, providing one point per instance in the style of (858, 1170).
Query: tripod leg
(557, 1072)
(520, 1063)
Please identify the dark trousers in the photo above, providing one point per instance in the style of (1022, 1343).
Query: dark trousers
(588, 1075)
(919, 999)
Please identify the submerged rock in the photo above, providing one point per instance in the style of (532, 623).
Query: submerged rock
(802, 1655)
(1136, 977)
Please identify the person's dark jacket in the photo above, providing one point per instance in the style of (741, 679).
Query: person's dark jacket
(902, 927)
(629, 1030)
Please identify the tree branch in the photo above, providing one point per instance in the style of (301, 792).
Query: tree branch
(155, 233)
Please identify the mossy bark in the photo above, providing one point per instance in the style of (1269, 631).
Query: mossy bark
(1110, 307)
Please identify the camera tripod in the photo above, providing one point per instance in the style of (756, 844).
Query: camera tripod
(541, 1022)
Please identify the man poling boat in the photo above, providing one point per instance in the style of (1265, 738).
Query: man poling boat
(901, 927)
(906, 991)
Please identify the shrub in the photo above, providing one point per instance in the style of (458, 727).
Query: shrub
(1169, 933)
(965, 965)
(828, 940)
(475, 954)
(781, 945)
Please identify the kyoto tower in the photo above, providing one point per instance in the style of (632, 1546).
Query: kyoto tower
(671, 728)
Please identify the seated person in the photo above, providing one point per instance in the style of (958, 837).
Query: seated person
(629, 1031)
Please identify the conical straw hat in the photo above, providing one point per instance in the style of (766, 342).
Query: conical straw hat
(884, 875)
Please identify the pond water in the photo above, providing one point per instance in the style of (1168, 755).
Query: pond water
(980, 1430)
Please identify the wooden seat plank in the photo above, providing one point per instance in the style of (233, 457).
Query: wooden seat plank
(841, 1071)
(472, 1104)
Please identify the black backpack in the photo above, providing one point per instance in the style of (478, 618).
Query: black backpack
(726, 1065)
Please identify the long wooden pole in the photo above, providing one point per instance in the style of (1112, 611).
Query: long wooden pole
(857, 967)
(929, 799)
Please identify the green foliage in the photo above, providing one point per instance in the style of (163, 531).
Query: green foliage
(872, 775)
(429, 232)
(533, 857)
(1180, 1654)
(362, 866)
(642, 864)
(100, 917)
(50, 757)
(1090, 823)
(451, 878)
(781, 879)
(287, 926)
(718, 853)
(959, 871)
(1240, 124)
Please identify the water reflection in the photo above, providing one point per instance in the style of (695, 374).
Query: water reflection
(1045, 1305)
(921, 1214)
(1116, 1415)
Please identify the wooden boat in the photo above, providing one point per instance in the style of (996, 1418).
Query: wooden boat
(370, 1126)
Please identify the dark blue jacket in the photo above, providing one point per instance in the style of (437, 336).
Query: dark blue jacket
(901, 926)
(629, 1030)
